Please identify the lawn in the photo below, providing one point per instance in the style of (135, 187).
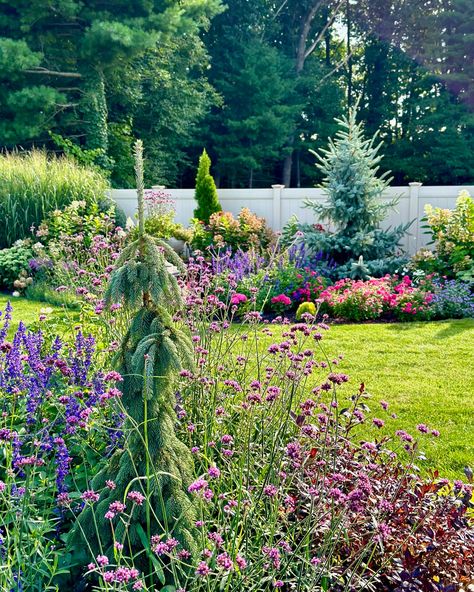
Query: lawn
(25, 310)
(424, 370)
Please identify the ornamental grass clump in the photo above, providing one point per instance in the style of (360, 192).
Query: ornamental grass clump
(35, 183)
(141, 493)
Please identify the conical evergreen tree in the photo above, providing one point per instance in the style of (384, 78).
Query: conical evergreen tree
(154, 461)
(354, 210)
(206, 192)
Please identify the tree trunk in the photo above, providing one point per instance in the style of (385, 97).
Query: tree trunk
(349, 61)
(287, 166)
(306, 46)
(298, 168)
(94, 110)
(327, 40)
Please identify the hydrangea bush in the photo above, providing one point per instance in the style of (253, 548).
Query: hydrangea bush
(452, 234)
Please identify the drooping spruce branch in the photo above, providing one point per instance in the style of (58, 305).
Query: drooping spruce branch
(153, 351)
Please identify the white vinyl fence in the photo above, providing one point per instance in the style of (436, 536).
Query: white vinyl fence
(278, 203)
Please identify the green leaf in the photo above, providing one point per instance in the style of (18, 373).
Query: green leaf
(325, 583)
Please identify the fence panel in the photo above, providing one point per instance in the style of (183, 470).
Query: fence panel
(277, 204)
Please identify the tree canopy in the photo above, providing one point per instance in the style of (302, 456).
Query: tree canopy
(257, 83)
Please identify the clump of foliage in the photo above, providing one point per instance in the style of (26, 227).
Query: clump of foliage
(71, 250)
(274, 280)
(34, 183)
(206, 192)
(71, 256)
(291, 280)
(390, 296)
(79, 220)
(452, 299)
(452, 234)
(224, 231)
(305, 308)
(165, 227)
(160, 219)
(14, 263)
(354, 210)
(155, 464)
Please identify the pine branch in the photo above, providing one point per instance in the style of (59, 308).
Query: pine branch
(47, 72)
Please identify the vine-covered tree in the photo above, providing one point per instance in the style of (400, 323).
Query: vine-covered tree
(355, 241)
(153, 462)
(58, 58)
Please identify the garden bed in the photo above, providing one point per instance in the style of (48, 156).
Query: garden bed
(393, 360)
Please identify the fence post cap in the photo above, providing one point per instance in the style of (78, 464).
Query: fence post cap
(278, 186)
(415, 184)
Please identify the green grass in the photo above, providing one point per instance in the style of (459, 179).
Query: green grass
(25, 310)
(424, 370)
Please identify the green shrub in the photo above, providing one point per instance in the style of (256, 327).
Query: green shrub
(13, 262)
(305, 308)
(223, 230)
(163, 226)
(452, 233)
(206, 192)
(34, 183)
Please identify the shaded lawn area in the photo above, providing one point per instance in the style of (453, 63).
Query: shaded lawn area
(25, 310)
(425, 371)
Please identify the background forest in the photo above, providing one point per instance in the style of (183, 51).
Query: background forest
(256, 82)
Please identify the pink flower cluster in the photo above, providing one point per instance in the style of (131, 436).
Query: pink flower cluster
(237, 299)
(281, 299)
(374, 298)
